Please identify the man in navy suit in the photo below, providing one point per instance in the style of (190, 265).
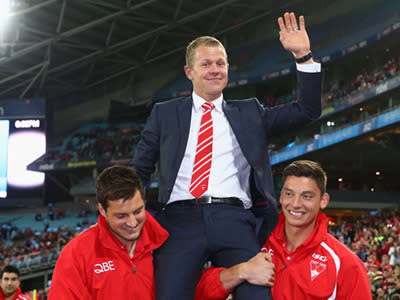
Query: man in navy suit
(218, 224)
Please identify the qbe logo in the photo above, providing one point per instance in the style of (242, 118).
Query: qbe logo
(104, 267)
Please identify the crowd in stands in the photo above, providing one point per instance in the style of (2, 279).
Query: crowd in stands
(98, 143)
(26, 247)
(376, 241)
(339, 95)
(336, 93)
(364, 80)
(35, 250)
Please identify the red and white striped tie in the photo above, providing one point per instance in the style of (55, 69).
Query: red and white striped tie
(202, 160)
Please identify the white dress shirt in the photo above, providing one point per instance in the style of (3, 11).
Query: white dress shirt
(230, 171)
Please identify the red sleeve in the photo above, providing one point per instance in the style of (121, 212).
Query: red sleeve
(353, 283)
(68, 281)
(210, 286)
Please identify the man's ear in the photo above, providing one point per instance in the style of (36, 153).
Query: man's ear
(101, 210)
(188, 72)
(280, 197)
(324, 201)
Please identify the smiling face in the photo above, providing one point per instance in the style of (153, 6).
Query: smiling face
(301, 201)
(125, 218)
(208, 72)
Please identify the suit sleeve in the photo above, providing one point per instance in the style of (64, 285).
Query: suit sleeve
(69, 279)
(307, 108)
(210, 287)
(353, 283)
(148, 149)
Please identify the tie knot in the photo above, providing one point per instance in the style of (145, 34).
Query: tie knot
(208, 106)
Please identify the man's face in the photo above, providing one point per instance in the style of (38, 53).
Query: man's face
(9, 283)
(301, 201)
(373, 268)
(372, 257)
(391, 284)
(385, 260)
(209, 72)
(387, 273)
(396, 271)
(126, 218)
(397, 282)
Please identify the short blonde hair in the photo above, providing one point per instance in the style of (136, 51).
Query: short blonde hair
(207, 41)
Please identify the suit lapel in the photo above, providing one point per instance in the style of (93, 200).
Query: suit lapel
(184, 112)
(232, 113)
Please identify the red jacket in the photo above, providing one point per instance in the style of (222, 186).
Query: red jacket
(210, 287)
(18, 295)
(96, 265)
(320, 268)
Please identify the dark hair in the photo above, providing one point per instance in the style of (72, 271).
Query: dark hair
(307, 168)
(117, 182)
(207, 41)
(9, 269)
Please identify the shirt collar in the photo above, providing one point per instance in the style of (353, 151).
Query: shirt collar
(198, 102)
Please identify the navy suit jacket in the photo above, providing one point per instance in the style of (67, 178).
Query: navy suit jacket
(165, 136)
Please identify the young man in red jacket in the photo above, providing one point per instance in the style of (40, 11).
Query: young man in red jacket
(113, 260)
(309, 262)
(10, 282)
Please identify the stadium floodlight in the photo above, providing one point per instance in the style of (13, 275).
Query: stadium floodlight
(330, 123)
(4, 9)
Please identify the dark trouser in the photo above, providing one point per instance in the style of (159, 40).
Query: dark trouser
(223, 233)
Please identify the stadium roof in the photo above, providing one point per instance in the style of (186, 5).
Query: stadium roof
(50, 48)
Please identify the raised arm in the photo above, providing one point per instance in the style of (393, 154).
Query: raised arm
(294, 37)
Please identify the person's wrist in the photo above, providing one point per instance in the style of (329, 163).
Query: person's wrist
(242, 271)
(303, 59)
(301, 53)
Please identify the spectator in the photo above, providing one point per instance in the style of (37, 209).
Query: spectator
(377, 284)
(10, 282)
(387, 274)
(393, 286)
(372, 259)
